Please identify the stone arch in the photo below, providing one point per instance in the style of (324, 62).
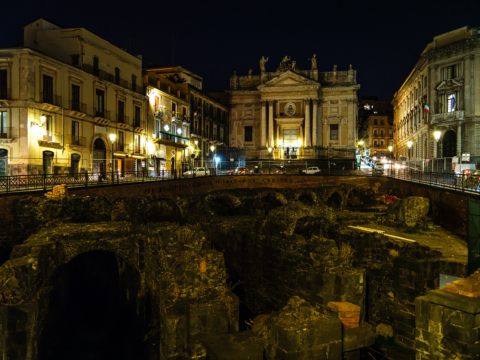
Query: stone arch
(93, 280)
(223, 204)
(25, 278)
(307, 197)
(275, 195)
(163, 208)
(354, 198)
(335, 201)
(449, 143)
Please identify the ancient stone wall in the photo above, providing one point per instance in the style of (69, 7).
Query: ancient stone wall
(397, 272)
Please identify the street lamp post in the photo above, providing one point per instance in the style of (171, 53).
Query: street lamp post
(112, 139)
(436, 135)
(409, 144)
(390, 148)
(212, 149)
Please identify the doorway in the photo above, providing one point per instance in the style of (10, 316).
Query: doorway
(75, 162)
(290, 143)
(3, 162)
(99, 161)
(48, 162)
(450, 144)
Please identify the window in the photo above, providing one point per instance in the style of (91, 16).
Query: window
(48, 126)
(375, 122)
(206, 131)
(3, 125)
(174, 108)
(157, 127)
(120, 141)
(137, 143)
(248, 133)
(157, 103)
(121, 111)
(96, 66)
(382, 122)
(3, 84)
(75, 98)
(382, 134)
(134, 83)
(450, 72)
(451, 103)
(334, 132)
(375, 133)
(375, 143)
(75, 60)
(47, 89)
(391, 142)
(99, 102)
(381, 143)
(137, 116)
(117, 76)
(75, 133)
(391, 133)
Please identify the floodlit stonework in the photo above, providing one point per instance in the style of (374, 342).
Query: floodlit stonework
(297, 113)
(446, 79)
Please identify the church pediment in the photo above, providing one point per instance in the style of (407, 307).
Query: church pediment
(289, 80)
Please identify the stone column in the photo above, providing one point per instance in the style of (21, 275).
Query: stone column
(308, 132)
(270, 123)
(264, 124)
(315, 121)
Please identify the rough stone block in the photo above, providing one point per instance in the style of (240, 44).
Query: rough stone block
(358, 337)
(455, 301)
(239, 346)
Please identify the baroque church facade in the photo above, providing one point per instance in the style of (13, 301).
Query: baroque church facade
(293, 113)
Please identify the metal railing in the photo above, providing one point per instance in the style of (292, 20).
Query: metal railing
(16, 183)
(49, 98)
(78, 106)
(122, 119)
(8, 133)
(52, 136)
(102, 113)
(74, 139)
(137, 123)
(121, 146)
(5, 94)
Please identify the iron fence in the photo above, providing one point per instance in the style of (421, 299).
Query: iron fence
(16, 183)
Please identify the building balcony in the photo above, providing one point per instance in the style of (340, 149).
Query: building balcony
(101, 116)
(121, 147)
(75, 142)
(51, 139)
(135, 149)
(139, 125)
(7, 134)
(5, 94)
(122, 121)
(196, 132)
(78, 109)
(50, 102)
(454, 116)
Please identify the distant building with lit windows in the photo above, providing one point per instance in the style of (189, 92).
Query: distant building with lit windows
(441, 96)
(377, 136)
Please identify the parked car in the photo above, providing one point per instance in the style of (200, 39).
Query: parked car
(198, 171)
(281, 170)
(257, 171)
(378, 166)
(311, 170)
(239, 171)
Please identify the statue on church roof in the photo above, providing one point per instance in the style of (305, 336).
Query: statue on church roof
(262, 63)
(314, 62)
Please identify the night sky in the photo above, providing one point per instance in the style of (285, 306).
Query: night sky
(381, 39)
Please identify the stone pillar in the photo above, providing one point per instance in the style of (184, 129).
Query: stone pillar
(308, 132)
(270, 123)
(264, 124)
(315, 121)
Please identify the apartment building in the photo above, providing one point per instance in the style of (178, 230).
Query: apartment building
(70, 102)
(377, 135)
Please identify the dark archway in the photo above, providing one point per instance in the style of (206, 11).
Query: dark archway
(450, 144)
(335, 201)
(89, 316)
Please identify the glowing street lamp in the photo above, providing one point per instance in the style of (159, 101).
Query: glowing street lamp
(43, 118)
(112, 139)
(437, 135)
(269, 149)
(390, 148)
(212, 148)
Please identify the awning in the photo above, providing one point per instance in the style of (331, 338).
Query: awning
(172, 134)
